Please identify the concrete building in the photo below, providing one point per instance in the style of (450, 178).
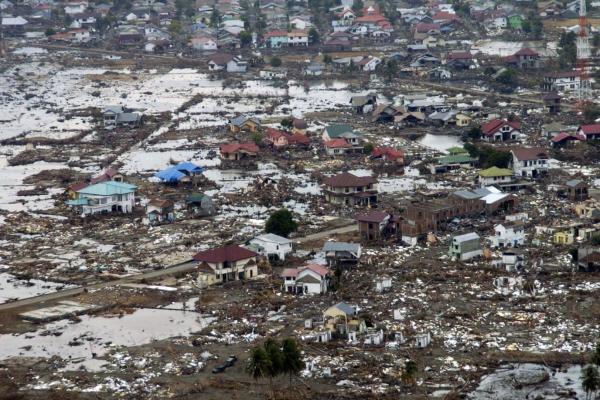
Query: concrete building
(465, 247)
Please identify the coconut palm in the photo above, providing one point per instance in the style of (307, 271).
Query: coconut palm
(596, 355)
(590, 380)
(259, 364)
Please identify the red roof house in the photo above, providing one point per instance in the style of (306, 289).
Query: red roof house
(501, 130)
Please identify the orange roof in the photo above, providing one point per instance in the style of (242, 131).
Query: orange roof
(337, 144)
(235, 147)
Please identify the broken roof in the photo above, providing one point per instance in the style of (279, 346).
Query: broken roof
(465, 237)
(373, 216)
(341, 246)
(270, 237)
(229, 253)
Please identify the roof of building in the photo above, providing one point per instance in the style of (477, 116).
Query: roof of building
(188, 167)
(300, 123)
(493, 126)
(526, 51)
(373, 216)
(561, 137)
(339, 143)
(235, 147)
(170, 175)
(229, 253)
(590, 129)
(347, 179)
(221, 58)
(77, 186)
(335, 131)
(160, 203)
(390, 153)
(345, 308)
(341, 246)
(495, 171)
(109, 188)
(562, 74)
(456, 159)
(271, 237)
(465, 237)
(196, 197)
(529, 153)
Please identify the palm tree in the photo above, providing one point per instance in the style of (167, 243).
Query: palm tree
(292, 359)
(259, 364)
(273, 351)
(596, 355)
(590, 380)
(410, 373)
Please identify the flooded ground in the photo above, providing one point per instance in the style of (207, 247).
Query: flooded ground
(73, 340)
(12, 288)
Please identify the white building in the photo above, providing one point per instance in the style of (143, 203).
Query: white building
(508, 234)
(529, 162)
(309, 279)
(272, 246)
(297, 38)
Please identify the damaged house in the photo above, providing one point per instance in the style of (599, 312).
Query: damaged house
(465, 247)
(341, 254)
(378, 225)
(158, 211)
(238, 151)
(224, 264)
(529, 162)
(508, 234)
(501, 130)
(200, 205)
(351, 190)
(119, 116)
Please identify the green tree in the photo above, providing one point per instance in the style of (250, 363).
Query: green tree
(175, 27)
(474, 132)
(281, 223)
(259, 364)
(49, 32)
(590, 380)
(215, 18)
(391, 69)
(507, 77)
(313, 36)
(567, 49)
(358, 7)
(591, 113)
(275, 62)
(292, 358)
(368, 148)
(327, 59)
(273, 350)
(257, 137)
(245, 38)
(287, 123)
(409, 376)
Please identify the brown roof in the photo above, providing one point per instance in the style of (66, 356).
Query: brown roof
(373, 216)
(221, 59)
(160, 203)
(530, 153)
(347, 179)
(78, 186)
(230, 253)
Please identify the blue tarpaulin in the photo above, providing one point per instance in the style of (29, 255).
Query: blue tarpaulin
(188, 167)
(170, 175)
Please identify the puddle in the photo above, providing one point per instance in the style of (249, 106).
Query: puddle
(12, 288)
(77, 340)
(440, 142)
